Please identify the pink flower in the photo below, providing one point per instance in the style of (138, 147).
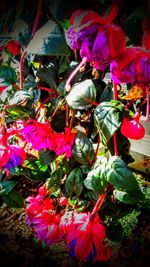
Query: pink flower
(64, 142)
(46, 227)
(17, 157)
(39, 135)
(133, 129)
(84, 237)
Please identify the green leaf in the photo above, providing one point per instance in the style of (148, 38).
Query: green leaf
(53, 183)
(83, 150)
(17, 112)
(74, 182)
(8, 74)
(108, 119)
(119, 175)
(48, 40)
(13, 199)
(34, 170)
(6, 187)
(130, 197)
(81, 95)
(18, 97)
(96, 178)
(46, 156)
(48, 74)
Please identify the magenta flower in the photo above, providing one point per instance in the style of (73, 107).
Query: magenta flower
(39, 135)
(95, 38)
(84, 237)
(35, 205)
(46, 227)
(132, 66)
(64, 142)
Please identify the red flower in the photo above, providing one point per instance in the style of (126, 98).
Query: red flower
(14, 47)
(133, 129)
(84, 237)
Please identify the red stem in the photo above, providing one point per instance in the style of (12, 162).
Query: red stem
(47, 89)
(115, 136)
(37, 18)
(97, 149)
(148, 104)
(98, 203)
(21, 68)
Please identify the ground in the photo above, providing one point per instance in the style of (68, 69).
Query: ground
(18, 247)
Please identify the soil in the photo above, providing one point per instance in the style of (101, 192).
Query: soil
(19, 248)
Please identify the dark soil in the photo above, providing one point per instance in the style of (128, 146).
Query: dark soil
(18, 247)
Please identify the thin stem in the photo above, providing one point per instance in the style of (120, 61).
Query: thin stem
(97, 149)
(98, 203)
(57, 107)
(82, 63)
(72, 118)
(115, 136)
(67, 115)
(148, 104)
(42, 104)
(37, 18)
(21, 68)
(47, 89)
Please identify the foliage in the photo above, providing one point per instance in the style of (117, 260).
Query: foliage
(61, 120)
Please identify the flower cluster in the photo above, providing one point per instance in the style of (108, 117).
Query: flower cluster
(83, 232)
(42, 136)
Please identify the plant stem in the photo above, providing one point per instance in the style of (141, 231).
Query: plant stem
(37, 18)
(82, 63)
(98, 203)
(115, 136)
(148, 104)
(21, 68)
(57, 107)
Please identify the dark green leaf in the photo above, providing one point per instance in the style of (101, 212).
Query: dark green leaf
(33, 170)
(49, 73)
(119, 175)
(8, 74)
(13, 199)
(18, 97)
(83, 150)
(130, 197)
(46, 156)
(108, 119)
(6, 187)
(81, 95)
(74, 182)
(48, 40)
